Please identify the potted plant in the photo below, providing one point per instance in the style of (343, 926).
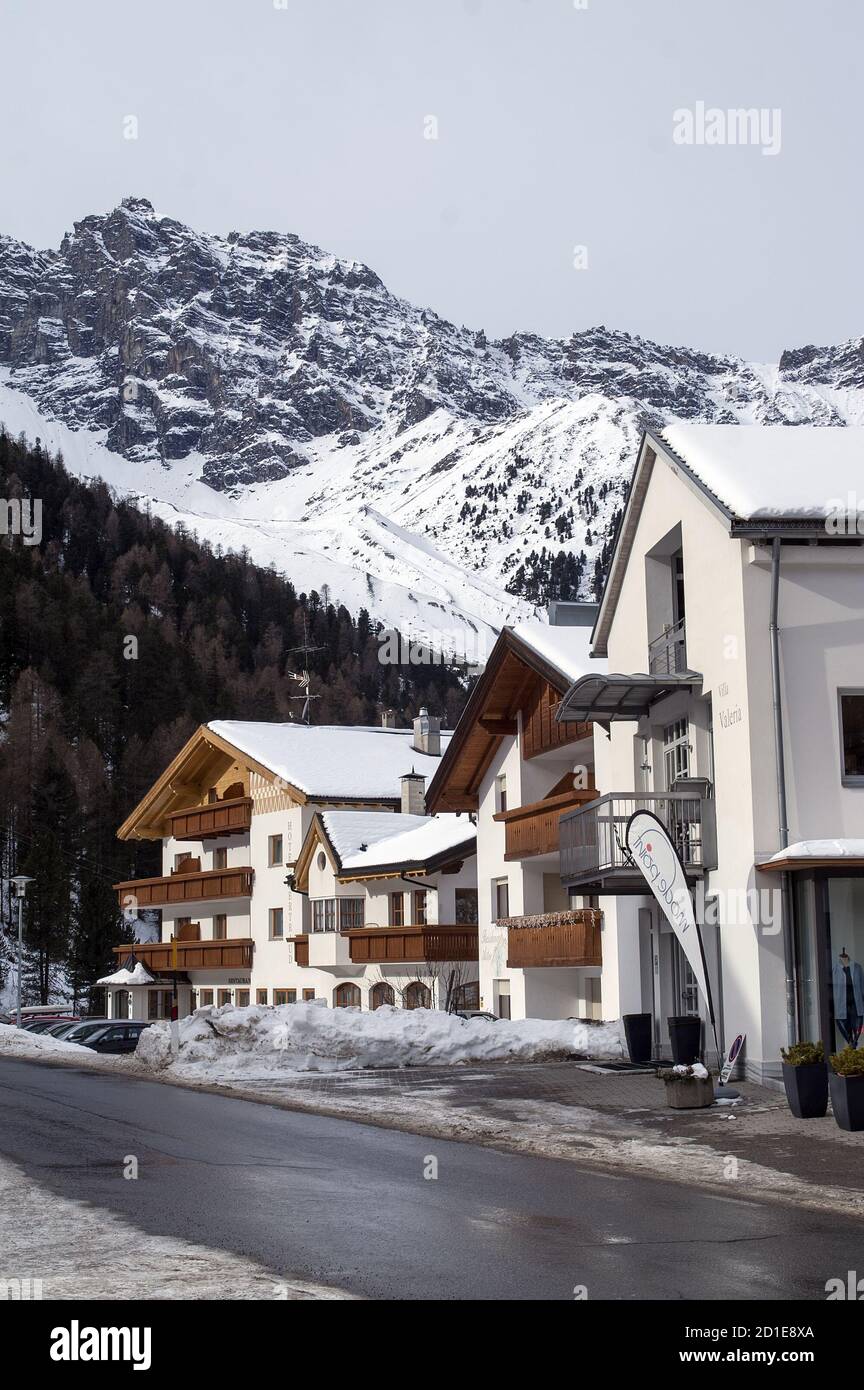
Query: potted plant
(685, 1037)
(688, 1087)
(846, 1080)
(637, 1031)
(805, 1077)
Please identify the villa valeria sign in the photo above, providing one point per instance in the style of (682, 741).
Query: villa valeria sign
(655, 855)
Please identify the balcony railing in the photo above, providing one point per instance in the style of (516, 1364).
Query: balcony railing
(555, 938)
(593, 850)
(433, 943)
(182, 887)
(208, 822)
(533, 828)
(667, 654)
(228, 954)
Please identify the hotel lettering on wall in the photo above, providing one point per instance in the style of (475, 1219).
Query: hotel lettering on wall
(728, 715)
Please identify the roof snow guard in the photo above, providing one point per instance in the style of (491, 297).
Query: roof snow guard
(604, 699)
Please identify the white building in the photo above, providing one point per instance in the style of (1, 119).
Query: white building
(518, 771)
(733, 619)
(232, 813)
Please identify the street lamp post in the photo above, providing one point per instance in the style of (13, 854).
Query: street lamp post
(19, 888)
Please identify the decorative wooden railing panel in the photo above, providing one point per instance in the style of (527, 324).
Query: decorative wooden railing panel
(554, 938)
(228, 954)
(533, 828)
(187, 887)
(210, 821)
(433, 942)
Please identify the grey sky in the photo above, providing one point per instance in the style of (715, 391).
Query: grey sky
(555, 130)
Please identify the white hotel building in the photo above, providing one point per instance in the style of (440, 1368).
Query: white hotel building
(298, 864)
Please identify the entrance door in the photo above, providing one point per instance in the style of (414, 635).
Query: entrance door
(684, 984)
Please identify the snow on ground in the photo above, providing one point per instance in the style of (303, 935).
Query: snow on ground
(17, 1042)
(217, 1044)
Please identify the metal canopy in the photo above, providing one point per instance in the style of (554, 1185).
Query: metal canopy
(603, 699)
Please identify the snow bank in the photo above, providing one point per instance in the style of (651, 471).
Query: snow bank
(308, 1037)
(17, 1042)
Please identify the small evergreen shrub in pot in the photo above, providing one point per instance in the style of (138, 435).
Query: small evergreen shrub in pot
(846, 1080)
(688, 1087)
(805, 1077)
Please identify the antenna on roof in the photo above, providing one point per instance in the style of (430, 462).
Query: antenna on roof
(304, 678)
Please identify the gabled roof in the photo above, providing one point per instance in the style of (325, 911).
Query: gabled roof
(521, 656)
(757, 480)
(372, 844)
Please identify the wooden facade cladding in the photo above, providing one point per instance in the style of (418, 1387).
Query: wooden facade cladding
(433, 943)
(207, 822)
(540, 732)
(533, 828)
(187, 887)
(555, 938)
(229, 954)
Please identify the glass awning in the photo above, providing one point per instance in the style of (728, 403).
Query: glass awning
(607, 698)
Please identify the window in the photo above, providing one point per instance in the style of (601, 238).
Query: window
(206, 997)
(501, 792)
(337, 914)
(676, 751)
(501, 997)
(224, 997)
(260, 996)
(277, 924)
(466, 907)
(220, 858)
(346, 996)
(242, 998)
(275, 849)
(382, 993)
(182, 858)
(220, 927)
(397, 910)
(193, 1000)
(159, 1003)
(308, 994)
(420, 907)
(502, 899)
(852, 737)
(284, 996)
(212, 796)
(467, 996)
(121, 1004)
(418, 996)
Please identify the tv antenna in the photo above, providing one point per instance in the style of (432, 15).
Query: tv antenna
(303, 677)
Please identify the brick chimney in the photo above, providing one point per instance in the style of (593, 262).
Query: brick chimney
(427, 734)
(388, 719)
(413, 788)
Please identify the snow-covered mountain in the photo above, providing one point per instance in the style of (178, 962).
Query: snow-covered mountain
(272, 396)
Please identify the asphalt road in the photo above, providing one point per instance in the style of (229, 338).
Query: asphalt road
(347, 1205)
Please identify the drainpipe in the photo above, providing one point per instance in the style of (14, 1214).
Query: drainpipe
(782, 812)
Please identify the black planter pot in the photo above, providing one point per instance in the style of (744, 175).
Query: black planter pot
(806, 1090)
(685, 1035)
(847, 1100)
(637, 1031)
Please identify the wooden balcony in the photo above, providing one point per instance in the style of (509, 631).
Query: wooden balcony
(229, 954)
(301, 949)
(183, 887)
(433, 942)
(213, 820)
(555, 938)
(533, 828)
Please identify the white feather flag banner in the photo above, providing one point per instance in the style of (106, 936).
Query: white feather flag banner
(655, 855)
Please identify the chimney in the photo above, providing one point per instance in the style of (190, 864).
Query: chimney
(388, 719)
(413, 787)
(427, 734)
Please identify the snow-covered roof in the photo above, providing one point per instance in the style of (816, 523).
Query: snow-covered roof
(139, 976)
(565, 648)
(763, 471)
(392, 840)
(818, 849)
(332, 760)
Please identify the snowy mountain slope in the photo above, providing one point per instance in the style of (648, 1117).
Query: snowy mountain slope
(270, 395)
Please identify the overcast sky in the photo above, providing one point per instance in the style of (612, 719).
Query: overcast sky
(554, 131)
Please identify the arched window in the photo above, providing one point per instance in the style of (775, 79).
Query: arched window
(418, 996)
(346, 997)
(381, 993)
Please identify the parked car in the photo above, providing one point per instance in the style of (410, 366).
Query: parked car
(78, 1031)
(41, 1025)
(115, 1037)
(476, 1013)
(56, 1030)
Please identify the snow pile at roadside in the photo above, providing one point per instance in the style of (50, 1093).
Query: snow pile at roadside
(308, 1037)
(17, 1042)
